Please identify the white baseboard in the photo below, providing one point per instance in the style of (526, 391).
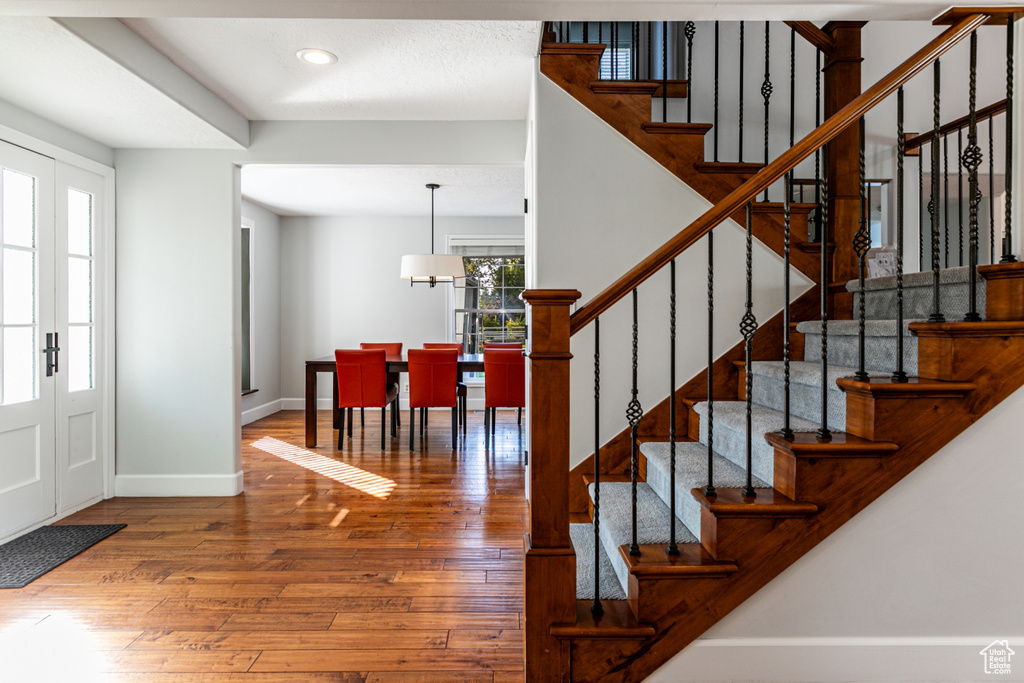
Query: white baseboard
(177, 485)
(824, 660)
(262, 411)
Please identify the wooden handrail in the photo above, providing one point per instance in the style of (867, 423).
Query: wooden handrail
(984, 114)
(775, 170)
(814, 35)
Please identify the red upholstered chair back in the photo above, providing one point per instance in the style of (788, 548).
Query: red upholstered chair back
(503, 345)
(432, 376)
(504, 378)
(390, 348)
(362, 378)
(443, 345)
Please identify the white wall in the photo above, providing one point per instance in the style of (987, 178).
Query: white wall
(601, 206)
(266, 314)
(340, 287)
(912, 588)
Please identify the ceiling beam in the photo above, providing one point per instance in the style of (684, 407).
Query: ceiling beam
(123, 46)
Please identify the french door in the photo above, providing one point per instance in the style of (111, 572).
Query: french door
(51, 343)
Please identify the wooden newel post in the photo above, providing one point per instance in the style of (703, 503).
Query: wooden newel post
(550, 567)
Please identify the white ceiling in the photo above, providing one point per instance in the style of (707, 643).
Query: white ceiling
(438, 70)
(385, 190)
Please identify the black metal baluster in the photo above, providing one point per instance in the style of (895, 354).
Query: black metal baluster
(740, 112)
(650, 50)
(766, 91)
(945, 201)
(672, 548)
(861, 244)
(933, 205)
(991, 192)
(823, 432)
(1008, 256)
(792, 94)
(714, 128)
(614, 30)
(600, 32)
(899, 375)
(586, 26)
(596, 606)
(634, 63)
(921, 206)
(664, 71)
(748, 327)
(817, 153)
(960, 191)
(787, 432)
(971, 160)
(634, 413)
(709, 490)
(689, 29)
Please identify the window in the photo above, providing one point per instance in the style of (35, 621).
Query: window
(487, 306)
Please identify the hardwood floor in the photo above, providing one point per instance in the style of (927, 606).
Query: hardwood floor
(351, 565)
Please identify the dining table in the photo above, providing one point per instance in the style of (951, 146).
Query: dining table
(468, 362)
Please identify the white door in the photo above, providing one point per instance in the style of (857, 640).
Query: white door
(27, 316)
(80, 307)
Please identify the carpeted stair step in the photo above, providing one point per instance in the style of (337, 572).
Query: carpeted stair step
(730, 434)
(918, 295)
(691, 473)
(804, 389)
(582, 536)
(879, 344)
(616, 522)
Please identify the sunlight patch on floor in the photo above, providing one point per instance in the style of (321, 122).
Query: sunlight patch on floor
(361, 480)
(28, 654)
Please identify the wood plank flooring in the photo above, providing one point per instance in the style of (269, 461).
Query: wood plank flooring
(354, 565)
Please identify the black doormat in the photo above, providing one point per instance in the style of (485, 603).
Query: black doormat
(28, 557)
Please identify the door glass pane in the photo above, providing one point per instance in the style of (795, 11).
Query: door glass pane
(19, 208)
(79, 290)
(79, 358)
(79, 222)
(19, 365)
(19, 287)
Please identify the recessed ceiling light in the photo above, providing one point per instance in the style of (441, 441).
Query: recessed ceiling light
(318, 57)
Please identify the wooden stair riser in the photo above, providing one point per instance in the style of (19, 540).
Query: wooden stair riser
(894, 418)
(652, 600)
(806, 478)
(1004, 283)
(958, 356)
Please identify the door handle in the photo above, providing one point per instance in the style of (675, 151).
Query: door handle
(52, 352)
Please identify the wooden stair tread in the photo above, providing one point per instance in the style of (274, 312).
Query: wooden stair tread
(740, 167)
(915, 386)
(676, 88)
(693, 561)
(617, 621)
(807, 444)
(661, 128)
(780, 207)
(619, 477)
(730, 502)
(583, 49)
(984, 328)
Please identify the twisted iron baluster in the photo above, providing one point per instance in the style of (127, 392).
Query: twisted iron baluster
(823, 432)
(714, 128)
(899, 375)
(586, 26)
(766, 91)
(634, 63)
(861, 244)
(596, 606)
(787, 432)
(650, 50)
(709, 490)
(921, 206)
(933, 205)
(689, 29)
(672, 549)
(971, 160)
(817, 152)
(748, 327)
(741, 92)
(634, 413)
(664, 71)
(792, 89)
(945, 202)
(991, 192)
(1008, 256)
(960, 191)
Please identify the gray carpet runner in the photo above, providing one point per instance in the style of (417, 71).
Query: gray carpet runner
(582, 536)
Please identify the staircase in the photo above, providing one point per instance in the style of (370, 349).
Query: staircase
(727, 544)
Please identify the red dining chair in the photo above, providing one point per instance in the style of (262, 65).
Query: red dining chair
(460, 386)
(362, 382)
(392, 349)
(432, 374)
(504, 383)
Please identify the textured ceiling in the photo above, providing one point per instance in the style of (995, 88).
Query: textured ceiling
(440, 70)
(50, 72)
(385, 190)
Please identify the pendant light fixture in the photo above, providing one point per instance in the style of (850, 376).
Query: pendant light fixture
(432, 268)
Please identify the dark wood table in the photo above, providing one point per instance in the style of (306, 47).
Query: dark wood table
(470, 362)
